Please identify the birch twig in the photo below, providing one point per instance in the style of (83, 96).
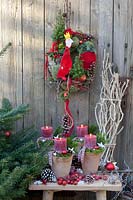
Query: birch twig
(108, 111)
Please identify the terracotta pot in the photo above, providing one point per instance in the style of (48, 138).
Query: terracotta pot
(61, 165)
(90, 162)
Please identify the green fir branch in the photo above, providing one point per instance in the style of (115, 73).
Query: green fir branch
(5, 48)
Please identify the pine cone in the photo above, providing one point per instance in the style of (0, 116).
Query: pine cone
(89, 179)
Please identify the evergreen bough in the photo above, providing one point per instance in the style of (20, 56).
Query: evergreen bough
(20, 159)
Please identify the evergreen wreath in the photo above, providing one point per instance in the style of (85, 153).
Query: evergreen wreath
(73, 59)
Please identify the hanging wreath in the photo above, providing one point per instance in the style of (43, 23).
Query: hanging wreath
(73, 59)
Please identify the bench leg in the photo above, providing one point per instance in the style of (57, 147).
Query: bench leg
(101, 195)
(48, 195)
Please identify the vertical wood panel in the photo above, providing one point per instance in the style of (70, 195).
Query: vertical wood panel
(101, 28)
(53, 107)
(127, 137)
(120, 35)
(123, 57)
(33, 60)
(11, 61)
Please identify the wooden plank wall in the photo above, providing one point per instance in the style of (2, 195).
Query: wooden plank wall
(22, 67)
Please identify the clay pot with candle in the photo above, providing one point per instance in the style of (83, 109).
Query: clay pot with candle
(61, 165)
(90, 162)
(61, 158)
(92, 154)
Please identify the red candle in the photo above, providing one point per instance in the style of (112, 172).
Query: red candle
(60, 145)
(47, 131)
(90, 141)
(82, 130)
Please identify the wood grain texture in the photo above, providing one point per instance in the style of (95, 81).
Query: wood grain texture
(33, 60)
(99, 185)
(102, 29)
(123, 41)
(123, 58)
(11, 61)
(53, 106)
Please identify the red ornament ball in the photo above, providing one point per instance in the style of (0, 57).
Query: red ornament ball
(7, 133)
(110, 166)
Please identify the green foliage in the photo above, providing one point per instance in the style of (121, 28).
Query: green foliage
(93, 129)
(9, 115)
(77, 70)
(5, 49)
(95, 151)
(58, 131)
(101, 138)
(58, 32)
(20, 163)
(87, 46)
(71, 143)
(54, 71)
(64, 155)
(20, 159)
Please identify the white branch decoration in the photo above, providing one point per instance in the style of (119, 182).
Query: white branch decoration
(108, 111)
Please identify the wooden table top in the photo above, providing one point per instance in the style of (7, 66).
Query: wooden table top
(96, 186)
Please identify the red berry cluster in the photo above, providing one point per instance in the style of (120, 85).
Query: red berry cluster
(72, 179)
(98, 177)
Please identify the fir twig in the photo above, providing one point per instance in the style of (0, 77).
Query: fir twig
(5, 48)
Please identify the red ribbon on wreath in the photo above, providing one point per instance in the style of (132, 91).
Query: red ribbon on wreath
(68, 122)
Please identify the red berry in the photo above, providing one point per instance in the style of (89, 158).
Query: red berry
(72, 182)
(59, 182)
(60, 178)
(97, 178)
(64, 152)
(80, 177)
(68, 181)
(64, 182)
(77, 175)
(96, 147)
(7, 133)
(75, 182)
(105, 177)
(68, 177)
(44, 181)
(73, 176)
(94, 175)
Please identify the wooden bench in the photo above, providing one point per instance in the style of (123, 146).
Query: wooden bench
(100, 187)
